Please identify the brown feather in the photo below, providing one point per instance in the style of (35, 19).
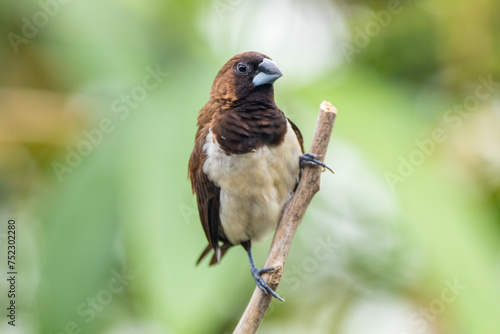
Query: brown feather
(207, 193)
(239, 130)
(298, 134)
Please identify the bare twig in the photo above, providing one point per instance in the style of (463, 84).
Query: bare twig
(292, 216)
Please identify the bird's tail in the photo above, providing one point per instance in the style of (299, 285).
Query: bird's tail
(218, 253)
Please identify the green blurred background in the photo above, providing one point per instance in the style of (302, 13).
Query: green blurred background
(98, 107)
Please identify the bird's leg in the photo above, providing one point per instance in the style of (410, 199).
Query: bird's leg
(309, 159)
(256, 273)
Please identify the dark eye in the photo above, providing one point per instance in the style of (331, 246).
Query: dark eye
(242, 68)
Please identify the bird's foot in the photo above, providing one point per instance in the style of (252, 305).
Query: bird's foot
(256, 273)
(310, 159)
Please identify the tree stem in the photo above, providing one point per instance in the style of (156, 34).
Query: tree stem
(292, 216)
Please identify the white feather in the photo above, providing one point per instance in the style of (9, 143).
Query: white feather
(254, 186)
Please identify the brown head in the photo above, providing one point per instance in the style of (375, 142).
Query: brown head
(246, 77)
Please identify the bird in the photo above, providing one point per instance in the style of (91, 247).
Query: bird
(246, 161)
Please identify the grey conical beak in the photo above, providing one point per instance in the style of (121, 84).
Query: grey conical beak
(267, 73)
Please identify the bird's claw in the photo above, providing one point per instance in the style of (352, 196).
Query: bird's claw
(256, 273)
(310, 159)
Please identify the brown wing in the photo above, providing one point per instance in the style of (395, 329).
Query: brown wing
(208, 199)
(207, 193)
(298, 134)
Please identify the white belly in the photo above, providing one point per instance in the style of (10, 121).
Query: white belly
(254, 186)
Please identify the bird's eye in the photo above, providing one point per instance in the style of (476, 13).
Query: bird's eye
(242, 68)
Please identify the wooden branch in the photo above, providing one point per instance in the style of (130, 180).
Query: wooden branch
(292, 216)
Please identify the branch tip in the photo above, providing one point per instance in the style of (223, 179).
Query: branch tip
(327, 107)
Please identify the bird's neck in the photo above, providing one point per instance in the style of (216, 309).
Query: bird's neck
(261, 97)
(248, 127)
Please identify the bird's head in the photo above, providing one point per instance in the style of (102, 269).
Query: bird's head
(247, 76)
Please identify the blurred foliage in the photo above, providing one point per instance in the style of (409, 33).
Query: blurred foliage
(107, 243)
